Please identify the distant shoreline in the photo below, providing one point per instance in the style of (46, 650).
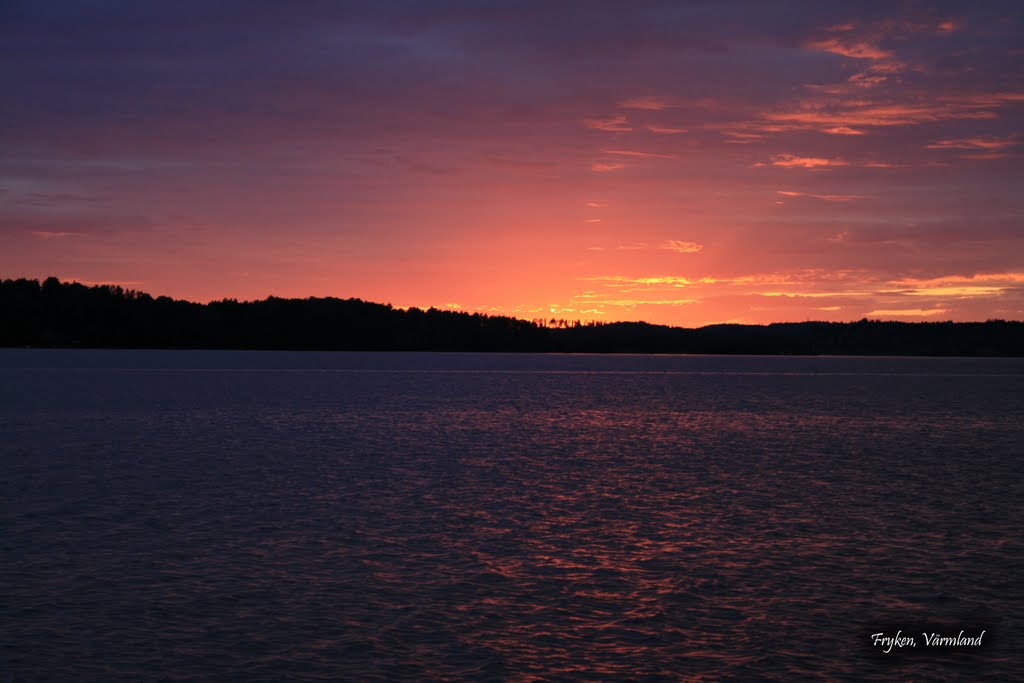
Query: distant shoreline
(486, 352)
(55, 314)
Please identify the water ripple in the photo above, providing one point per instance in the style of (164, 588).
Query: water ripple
(523, 526)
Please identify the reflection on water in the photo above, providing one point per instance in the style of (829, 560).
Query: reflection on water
(426, 516)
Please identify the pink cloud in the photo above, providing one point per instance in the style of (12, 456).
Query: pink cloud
(682, 247)
(648, 103)
(824, 197)
(51, 234)
(843, 130)
(613, 124)
(742, 138)
(888, 114)
(642, 155)
(976, 143)
(665, 130)
(909, 312)
(855, 50)
(793, 161)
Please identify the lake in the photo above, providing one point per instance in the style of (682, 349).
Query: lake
(191, 515)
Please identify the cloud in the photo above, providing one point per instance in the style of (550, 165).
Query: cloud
(793, 161)
(871, 78)
(985, 155)
(974, 143)
(682, 247)
(853, 49)
(612, 124)
(51, 234)
(1014, 278)
(912, 312)
(605, 167)
(819, 289)
(648, 103)
(666, 130)
(978, 147)
(646, 302)
(127, 284)
(842, 130)
(815, 295)
(824, 197)
(958, 292)
(628, 281)
(743, 138)
(642, 155)
(830, 117)
(844, 112)
(960, 286)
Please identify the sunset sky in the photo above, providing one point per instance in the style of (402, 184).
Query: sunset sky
(675, 162)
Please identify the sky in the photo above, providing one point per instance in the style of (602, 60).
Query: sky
(684, 163)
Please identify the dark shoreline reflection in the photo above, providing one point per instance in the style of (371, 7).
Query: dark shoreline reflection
(184, 515)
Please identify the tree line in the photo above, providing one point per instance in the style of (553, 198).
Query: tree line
(68, 314)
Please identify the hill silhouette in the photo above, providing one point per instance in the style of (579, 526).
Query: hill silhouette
(63, 314)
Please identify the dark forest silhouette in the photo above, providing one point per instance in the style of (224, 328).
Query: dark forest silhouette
(62, 314)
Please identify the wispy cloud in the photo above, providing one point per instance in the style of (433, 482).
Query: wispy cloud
(959, 286)
(628, 281)
(666, 130)
(738, 137)
(842, 130)
(815, 295)
(858, 292)
(614, 124)
(682, 247)
(116, 283)
(638, 154)
(793, 161)
(961, 292)
(824, 197)
(978, 147)
(646, 302)
(850, 48)
(830, 117)
(911, 312)
(605, 166)
(53, 234)
(649, 103)
(1007, 278)
(978, 143)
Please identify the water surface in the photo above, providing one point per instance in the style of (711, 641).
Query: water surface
(345, 516)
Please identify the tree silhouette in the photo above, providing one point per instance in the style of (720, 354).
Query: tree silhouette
(63, 314)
